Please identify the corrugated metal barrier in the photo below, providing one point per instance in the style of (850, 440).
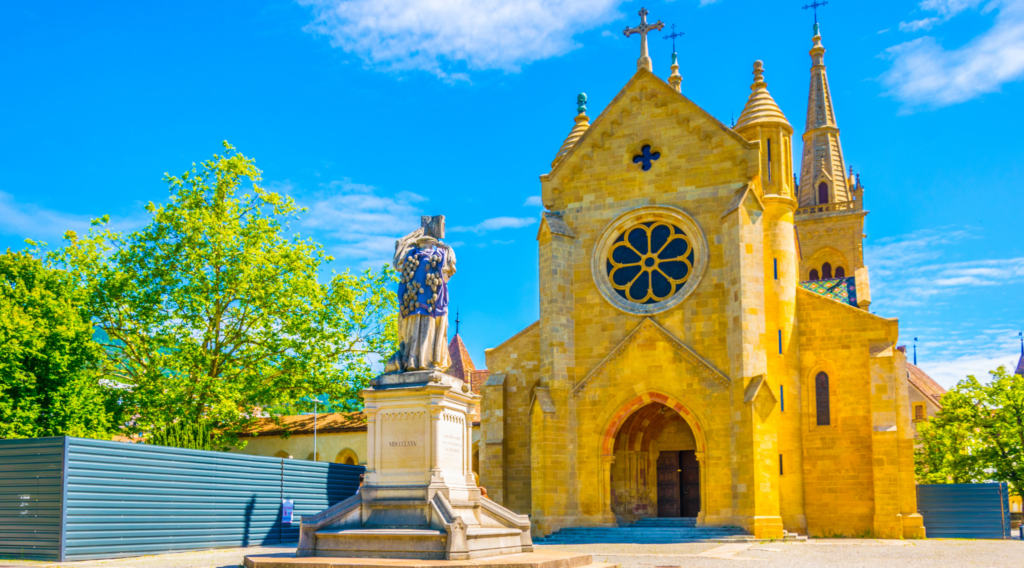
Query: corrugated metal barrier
(965, 510)
(132, 499)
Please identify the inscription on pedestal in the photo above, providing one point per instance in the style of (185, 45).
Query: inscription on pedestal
(403, 440)
(450, 451)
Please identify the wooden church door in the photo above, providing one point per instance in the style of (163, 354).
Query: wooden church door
(668, 484)
(690, 483)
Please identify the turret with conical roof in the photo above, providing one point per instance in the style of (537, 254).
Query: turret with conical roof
(762, 120)
(577, 132)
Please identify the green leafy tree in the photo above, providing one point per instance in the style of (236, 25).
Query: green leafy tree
(212, 313)
(978, 435)
(49, 384)
(188, 435)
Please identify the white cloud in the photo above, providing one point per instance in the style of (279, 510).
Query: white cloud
(910, 278)
(924, 74)
(708, 2)
(439, 37)
(357, 224)
(31, 221)
(533, 201)
(949, 371)
(923, 24)
(903, 274)
(494, 224)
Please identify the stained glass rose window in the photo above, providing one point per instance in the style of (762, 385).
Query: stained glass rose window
(649, 262)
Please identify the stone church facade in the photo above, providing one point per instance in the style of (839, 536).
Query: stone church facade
(704, 347)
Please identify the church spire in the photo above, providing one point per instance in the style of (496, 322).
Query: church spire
(823, 169)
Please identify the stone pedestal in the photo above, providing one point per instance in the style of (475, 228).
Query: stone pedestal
(419, 499)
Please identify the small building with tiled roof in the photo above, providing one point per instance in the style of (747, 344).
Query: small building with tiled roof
(925, 394)
(463, 367)
(340, 437)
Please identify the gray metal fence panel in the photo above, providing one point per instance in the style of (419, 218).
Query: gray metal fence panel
(31, 475)
(966, 510)
(77, 499)
(314, 486)
(132, 499)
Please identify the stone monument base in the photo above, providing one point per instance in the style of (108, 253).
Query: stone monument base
(527, 560)
(419, 499)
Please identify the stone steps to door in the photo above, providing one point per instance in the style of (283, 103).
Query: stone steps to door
(646, 532)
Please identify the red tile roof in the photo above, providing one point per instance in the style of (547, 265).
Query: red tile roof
(303, 424)
(925, 384)
(462, 365)
(461, 361)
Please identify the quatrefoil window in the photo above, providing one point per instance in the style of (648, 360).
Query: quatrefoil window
(649, 262)
(646, 158)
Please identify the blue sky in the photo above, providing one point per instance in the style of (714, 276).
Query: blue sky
(371, 113)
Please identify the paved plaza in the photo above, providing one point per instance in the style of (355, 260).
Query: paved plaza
(843, 553)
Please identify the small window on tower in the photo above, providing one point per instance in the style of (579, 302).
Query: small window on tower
(826, 271)
(840, 273)
(775, 267)
(769, 159)
(919, 412)
(822, 193)
(814, 274)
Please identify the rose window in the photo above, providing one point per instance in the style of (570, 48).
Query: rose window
(649, 262)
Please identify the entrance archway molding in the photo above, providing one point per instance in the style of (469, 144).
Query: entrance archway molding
(615, 415)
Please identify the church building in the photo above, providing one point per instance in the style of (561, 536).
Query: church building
(704, 347)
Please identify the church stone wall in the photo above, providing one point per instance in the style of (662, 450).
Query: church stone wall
(854, 468)
(506, 463)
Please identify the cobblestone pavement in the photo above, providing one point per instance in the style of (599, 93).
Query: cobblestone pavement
(837, 553)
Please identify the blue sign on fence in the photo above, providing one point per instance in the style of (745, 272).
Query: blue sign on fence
(287, 507)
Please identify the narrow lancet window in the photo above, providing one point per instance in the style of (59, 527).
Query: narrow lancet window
(840, 272)
(822, 193)
(826, 271)
(769, 159)
(814, 274)
(821, 397)
(775, 267)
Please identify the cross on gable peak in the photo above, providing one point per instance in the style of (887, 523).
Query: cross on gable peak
(645, 60)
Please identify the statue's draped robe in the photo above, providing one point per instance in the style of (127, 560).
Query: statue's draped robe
(423, 304)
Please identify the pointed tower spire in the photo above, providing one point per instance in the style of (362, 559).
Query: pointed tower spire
(577, 132)
(823, 169)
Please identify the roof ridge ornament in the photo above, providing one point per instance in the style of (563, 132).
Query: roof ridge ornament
(645, 59)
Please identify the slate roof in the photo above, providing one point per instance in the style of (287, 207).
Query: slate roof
(925, 384)
(1020, 366)
(303, 424)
